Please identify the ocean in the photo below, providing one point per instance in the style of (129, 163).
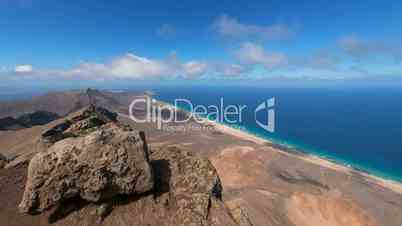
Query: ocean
(360, 127)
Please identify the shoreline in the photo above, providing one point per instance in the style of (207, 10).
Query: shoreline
(305, 156)
(314, 159)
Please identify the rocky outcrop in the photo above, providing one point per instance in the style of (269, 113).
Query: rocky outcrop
(193, 188)
(187, 192)
(98, 166)
(79, 123)
(93, 157)
(90, 156)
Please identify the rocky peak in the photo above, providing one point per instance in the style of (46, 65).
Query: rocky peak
(80, 123)
(93, 158)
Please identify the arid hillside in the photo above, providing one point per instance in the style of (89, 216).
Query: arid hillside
(63, 103)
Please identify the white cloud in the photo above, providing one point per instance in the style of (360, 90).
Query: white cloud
(130, 66)
(194, 69)
(25, 68)
(137, 67)
(231, 27)
(250, 53)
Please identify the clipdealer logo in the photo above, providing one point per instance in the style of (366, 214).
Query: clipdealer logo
(154, 111)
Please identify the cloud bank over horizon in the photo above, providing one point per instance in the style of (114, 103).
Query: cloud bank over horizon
(247, 56)
(130, 66)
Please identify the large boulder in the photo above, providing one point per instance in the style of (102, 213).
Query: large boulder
(187, 193)
(97, 166)
(194, 186)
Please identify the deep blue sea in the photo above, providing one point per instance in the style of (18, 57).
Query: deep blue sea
(356, 126)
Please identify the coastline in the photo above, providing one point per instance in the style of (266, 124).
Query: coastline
(311, 158)
(331, 164)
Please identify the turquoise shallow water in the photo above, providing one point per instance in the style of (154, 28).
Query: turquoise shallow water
(326, 154)
(307, 149)
(359, 128)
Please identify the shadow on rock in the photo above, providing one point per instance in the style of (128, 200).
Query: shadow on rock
(66, 208)
(162, 175)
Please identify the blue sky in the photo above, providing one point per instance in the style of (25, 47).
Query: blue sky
(44, 40)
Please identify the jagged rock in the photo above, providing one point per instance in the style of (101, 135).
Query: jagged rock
(195, 190)
(194, 183)
(187, 192)
(56, 133)
(91, 156)
(96, 167)
(102, 114)
(79, 123)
